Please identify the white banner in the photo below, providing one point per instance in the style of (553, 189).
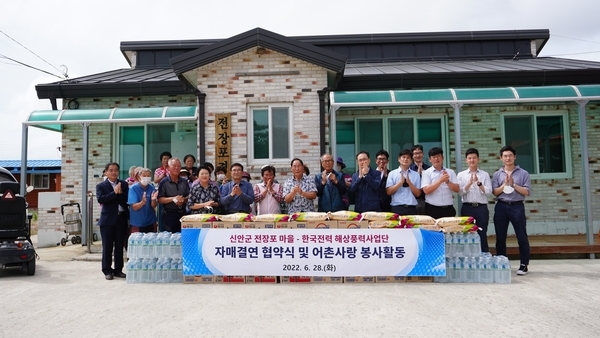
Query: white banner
(313, 252)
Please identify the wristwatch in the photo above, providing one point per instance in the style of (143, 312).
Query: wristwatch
(479, 184)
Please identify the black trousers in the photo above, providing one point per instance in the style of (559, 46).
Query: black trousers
(404, 209)
(515, 214)
(113, 238)
(439, 212)
(171, 221)
(481, 213)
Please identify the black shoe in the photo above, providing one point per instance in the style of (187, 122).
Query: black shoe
(119, 274)
(108, 276)
(522, 270)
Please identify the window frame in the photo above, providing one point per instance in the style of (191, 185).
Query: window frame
(32, 181)
(250, 137)
(393, 162)
(567, 141)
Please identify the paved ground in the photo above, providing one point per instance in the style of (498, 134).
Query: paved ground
(559, 298)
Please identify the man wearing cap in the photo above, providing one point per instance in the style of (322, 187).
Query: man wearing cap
(330, 186)
(347, 180)
(173, 192)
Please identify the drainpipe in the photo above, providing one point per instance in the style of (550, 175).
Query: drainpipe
(201, 132)
(587, 197)
(85, 227)
(322, 94)
(457, 146)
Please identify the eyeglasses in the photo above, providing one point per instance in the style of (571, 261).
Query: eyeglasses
(382, 159)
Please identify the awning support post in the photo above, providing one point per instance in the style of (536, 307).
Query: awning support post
(332, 131)
(84, 185)
(585, 177)
(457, 140)
(23, 182)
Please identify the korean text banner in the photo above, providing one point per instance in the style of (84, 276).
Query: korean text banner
(313, 252)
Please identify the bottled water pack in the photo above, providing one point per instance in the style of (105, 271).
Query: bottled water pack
(154, 258)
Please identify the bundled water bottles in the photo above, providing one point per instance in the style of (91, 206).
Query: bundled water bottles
(154, 258)
(465, 263)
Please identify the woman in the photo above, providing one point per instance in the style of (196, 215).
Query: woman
(189, 161)
(204, 196)
(142, 201)
(299, 191)
(132, 175)
(162, 171)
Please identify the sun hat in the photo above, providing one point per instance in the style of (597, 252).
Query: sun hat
(340, 161)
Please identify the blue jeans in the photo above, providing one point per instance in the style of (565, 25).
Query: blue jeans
(515, 214)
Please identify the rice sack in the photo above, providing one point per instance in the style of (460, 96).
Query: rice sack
(272, 218)
(344, 216)
(237, 217)
(200, 218)
(379, 216)
(309, 216)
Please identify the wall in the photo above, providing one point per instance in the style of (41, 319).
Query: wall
(100, 152)
(555, 205)
(228, 93)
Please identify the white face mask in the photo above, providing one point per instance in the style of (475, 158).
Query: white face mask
(145, 181)
(220, 177)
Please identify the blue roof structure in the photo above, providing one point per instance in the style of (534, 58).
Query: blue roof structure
(33, 166)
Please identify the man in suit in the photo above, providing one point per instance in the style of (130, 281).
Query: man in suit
(112, 194)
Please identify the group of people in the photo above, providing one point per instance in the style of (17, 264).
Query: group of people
(413, 188)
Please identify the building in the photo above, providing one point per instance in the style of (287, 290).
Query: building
(43, 175)
(260, 97)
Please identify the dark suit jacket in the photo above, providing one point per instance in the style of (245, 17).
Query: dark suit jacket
(110, 201)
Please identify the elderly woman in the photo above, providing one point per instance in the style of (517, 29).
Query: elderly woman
(188, 161)
(142, 200)
(299, 191)
(204, 196)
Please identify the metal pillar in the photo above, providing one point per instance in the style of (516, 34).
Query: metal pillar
(585, 179)
(23, 160)
(85, 227)
(457, 145)
(333, 131)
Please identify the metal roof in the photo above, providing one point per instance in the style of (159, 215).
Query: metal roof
(263, 38)
(33, 166)
(119, 82)
(544, 71)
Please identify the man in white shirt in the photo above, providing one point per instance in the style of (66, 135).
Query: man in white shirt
(404, 186)
(268, 195)
(439, 184)
(475, 185)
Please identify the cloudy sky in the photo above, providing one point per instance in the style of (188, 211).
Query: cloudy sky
(85, 37)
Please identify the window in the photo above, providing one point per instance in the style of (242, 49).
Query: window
(389, 133)
(270, 133)
(541, 143)
(142, 145)
(40, 181)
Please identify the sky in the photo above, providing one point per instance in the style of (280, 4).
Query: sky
(85, 37)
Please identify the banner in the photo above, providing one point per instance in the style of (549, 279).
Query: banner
(312, 252)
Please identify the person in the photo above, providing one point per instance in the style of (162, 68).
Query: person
(306, 170)
(381, 159)
(132, 172)
(404, 186)
(142, 200)
(438, 184)
(185, 174)
(474, 187)
(188, 161)
(220, 175)
(347, 180)
(268, 194)
(112, 194)
(511, 184)
(173, 192)
(419, 166)
(299, 191)
(237, 194)
(365, 185)
(204, 197)
(162, 171)
(211, 168)
(330, 186)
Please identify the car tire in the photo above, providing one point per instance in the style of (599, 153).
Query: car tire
(31, 267)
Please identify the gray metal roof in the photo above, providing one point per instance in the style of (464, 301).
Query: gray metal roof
(536, 64)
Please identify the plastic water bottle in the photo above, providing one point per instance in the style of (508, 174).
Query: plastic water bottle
(486, 271)
(462, 272)
(476, 245)
(442, 279)
(131, 250)
(502, 270)
(131, 272)
(472, 274)
(162, 244)
(175, 245)
(460, 244)
(448, 244)
(174, 271)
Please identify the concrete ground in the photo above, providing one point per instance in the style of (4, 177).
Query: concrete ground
(65, 298)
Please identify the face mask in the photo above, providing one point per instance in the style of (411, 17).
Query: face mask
(145, 180)
(220, 177)
(184, 177)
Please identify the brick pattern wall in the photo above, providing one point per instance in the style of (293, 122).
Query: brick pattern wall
(100, 150)
(228, 93)
(555, 205)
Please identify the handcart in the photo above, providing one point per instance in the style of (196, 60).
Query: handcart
(73, 223)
